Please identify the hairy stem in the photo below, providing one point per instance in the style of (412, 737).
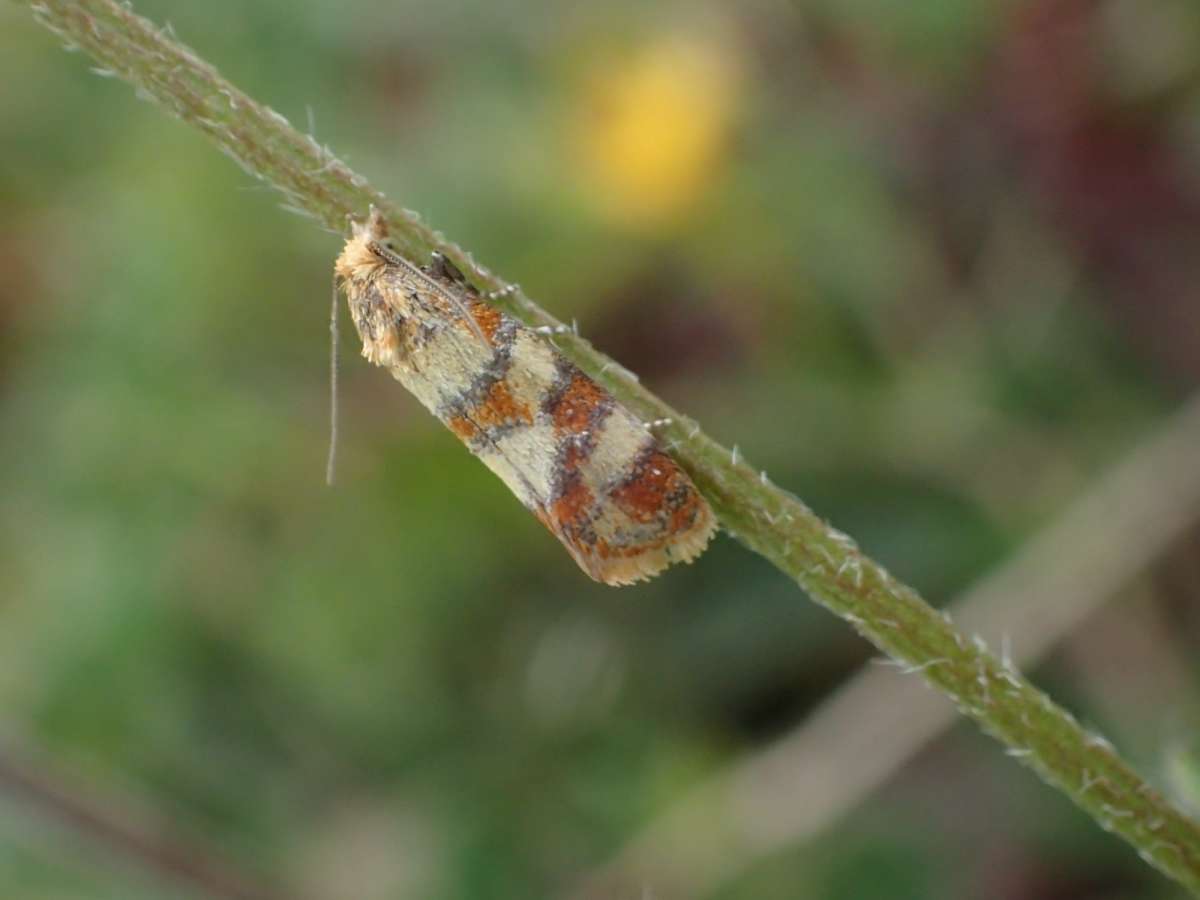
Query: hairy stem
(788, 792)
(824, 562)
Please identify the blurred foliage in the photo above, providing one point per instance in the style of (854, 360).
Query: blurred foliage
(1183, 773)
(932, 265)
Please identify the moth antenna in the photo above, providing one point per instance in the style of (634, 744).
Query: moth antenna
(466, 314)
(331, 460)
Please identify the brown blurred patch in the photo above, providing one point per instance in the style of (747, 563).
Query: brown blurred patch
(402, 76)
(1109, 174)
(18, 291)
(662, 326)
(1044, 117)
(1176, 581)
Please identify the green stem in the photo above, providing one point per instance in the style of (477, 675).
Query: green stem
(823, 561)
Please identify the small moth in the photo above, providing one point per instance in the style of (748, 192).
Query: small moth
(583, 464)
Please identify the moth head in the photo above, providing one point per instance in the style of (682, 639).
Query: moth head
(372, 229)
(359, 258)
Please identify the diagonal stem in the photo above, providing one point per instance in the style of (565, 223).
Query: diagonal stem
(788, 792)
(114, 823)
(826, 563)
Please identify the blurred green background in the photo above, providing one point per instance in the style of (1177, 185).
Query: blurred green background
(933, 266)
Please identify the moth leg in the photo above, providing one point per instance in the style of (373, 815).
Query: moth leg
(441, 267)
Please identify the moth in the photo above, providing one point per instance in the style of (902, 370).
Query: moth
(583, 464)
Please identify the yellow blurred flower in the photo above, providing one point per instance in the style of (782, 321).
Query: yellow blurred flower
(653, 127)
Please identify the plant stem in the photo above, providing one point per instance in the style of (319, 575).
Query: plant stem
(792, 790)
(824, 562)
(114, 823)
